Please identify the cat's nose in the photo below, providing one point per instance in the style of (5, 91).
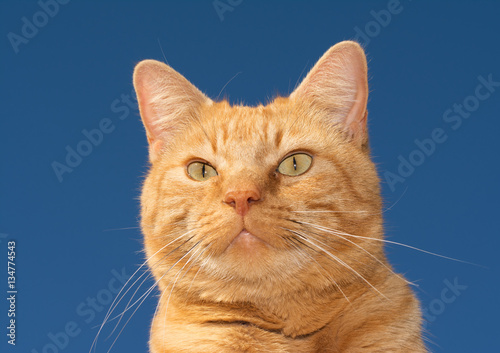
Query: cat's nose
(242, 199)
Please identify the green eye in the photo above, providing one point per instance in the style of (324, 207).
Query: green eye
(201, 171)
(296, 164)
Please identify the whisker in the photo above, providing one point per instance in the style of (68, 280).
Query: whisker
(201, 265)
(128, 306)
(145, 297)
(373, 256)
(338, 260)
(353, 211)
(164, 57)
(193, 263)
(326, 211)
(300, 76)
(304, 253)
(326, 229)
(175, 282)
(113, 306)
(124, 228)
(396, 202)
(222, 89)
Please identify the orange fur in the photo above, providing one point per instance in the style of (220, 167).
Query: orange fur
(308, 278)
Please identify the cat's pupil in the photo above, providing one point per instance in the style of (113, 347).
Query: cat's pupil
(294, 164)
(203, 171)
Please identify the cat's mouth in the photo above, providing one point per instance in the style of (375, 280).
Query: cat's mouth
(246, 240)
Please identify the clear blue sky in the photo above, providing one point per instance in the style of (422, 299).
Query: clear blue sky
(434, 74)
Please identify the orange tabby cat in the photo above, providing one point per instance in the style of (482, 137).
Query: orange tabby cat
(263, 225)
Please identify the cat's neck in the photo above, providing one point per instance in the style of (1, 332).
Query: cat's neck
(299, 313)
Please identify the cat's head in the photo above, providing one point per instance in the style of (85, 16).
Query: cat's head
(263, 198)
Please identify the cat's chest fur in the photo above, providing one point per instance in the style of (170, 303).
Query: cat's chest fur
(303, 324)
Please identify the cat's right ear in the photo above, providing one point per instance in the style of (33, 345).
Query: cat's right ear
(167, 102)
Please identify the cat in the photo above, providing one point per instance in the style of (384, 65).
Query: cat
(263, 225)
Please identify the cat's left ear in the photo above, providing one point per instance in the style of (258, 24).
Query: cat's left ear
(167, 102)
(338, 87)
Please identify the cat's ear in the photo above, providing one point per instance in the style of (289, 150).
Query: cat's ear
(338, 87)
(167, 101)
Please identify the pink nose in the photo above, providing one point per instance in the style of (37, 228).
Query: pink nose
(241, 199)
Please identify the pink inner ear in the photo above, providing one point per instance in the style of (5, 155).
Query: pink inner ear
(143, 78)
(338, 83)
(357, 117)
(166, 100)
(155, 85)
(148, 113)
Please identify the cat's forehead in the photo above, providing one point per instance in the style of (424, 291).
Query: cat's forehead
(239, 137)
(245, 125)
(242, 133)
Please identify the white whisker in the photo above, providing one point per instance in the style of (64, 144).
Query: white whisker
(145, 297)
(222, 89)
(175, 282)
(326, 211)
(336, 258)
(304, 253)
(326, 229)
(115, 303)
(396, 202)
(201, 265)
(124, 228)
(369, 253)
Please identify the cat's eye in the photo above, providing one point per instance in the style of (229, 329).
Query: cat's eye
(296, 164)
(201, 171)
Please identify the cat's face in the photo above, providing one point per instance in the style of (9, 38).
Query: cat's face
(259, 197)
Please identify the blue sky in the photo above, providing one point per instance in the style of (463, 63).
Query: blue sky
(66, 71)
